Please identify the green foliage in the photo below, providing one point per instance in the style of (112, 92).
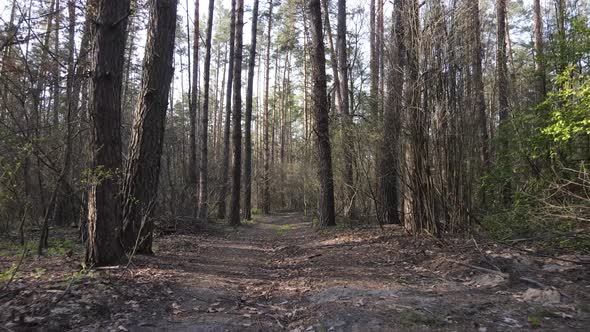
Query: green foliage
(5, 276)
(250, 222)
(78, 275)
(98, 175)
(409, 318)
(569, 107)
(283, 229)
(12, 249)
(537, 153)
(571, 47)
(60, 248)
(534, 321)
(56, 247)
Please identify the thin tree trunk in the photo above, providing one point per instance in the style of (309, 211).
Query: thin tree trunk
(478, 86)
(561, 33)
(327, 216)
(374, 63)
(267, 156)
(502, 87)
(194, 181)
(64, 211)
(539, 52)
(347, 123)
(333, 56)
(56, 65)
(248, 123)
(228, 107)
(204, 173)
(380, 54)
(234, 208)
(41, 80)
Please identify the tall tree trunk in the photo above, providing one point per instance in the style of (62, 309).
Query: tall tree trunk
(502, 89)
(228, 107)
(381, 53)
(64, 211)
(332, 49)
(561, 33)
(389, 162)
(40, 85)
(539, 53)
(56, 66)
(266, 179)
(104, 213)
(422, 213)
(204, 173)
(479, 102)
(327, 216)
(501, 66)
(347, 123)
(234, 208)
(6, 62)
(374, 62)
(248, 123)
(217, 96)
(218, 151)
(194, 181)
(140, 189)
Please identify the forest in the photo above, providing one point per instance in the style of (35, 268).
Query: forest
(294, 165)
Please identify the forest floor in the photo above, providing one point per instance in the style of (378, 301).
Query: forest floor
(278, 273)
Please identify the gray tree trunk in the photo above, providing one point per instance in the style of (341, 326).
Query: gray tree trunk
(140, 187)
(104, 209)
(327, 216)
(248, 122)
(204, 173)
(234, 208)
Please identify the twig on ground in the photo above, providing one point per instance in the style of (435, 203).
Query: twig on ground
(22, 257)
(534, 282)
(116, 267)
(66, 291)
(533, 253)
(502, 274)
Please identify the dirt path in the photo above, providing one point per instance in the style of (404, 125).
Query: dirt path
(279, 274)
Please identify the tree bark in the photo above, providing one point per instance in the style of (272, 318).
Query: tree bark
(140, 189)
(478, 87)
(64, 210)
(373, 63)
(327, 216)
(204, 173)
(104, 213)
(266, 179)
(248, 122)
(347, 123)
(502, 89)
(228, 108)
(56, 100)
(194, 177)
(539, 53)
(501, 66)
(234, 209)
(332, 49)
(389, 161)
